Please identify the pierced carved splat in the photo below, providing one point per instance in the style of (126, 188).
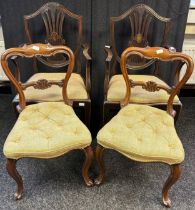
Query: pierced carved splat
(42, 84)
(140, 17)
(53, 15)
(150, 86)
(139, 21)
(53, 18)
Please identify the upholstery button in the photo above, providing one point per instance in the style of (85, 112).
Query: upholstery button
(139, 139)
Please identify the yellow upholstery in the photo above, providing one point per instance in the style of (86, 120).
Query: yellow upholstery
(117, 90)
(46, 130)
(143, 133)
(76, 88)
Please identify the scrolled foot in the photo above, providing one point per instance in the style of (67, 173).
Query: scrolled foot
(12, 171)
(89, 183)
(167, 202)
(173, 177)
(18, 195)
(100, 162)
(87, 164)
(98, 181)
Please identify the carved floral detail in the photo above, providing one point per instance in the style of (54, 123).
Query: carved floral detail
(42, 84)
(151, 86)
(55, 39)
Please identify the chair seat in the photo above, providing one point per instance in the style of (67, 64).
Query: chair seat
(117, 90)
(46, 130)
(76, 88)
(143, 133)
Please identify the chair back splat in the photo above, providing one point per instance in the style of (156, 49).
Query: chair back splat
(36, 50)
(161, 54)
(55, 16)
(140, 17)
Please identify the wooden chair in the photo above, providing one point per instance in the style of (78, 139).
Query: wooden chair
(144, 133)
(48, 129)
(54, 16)
(140, 18)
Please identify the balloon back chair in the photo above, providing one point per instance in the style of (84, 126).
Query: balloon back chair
(139, 20)
(48, 129)
(148, 133)
(49, 24)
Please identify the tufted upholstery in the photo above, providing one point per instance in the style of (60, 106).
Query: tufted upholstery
(46, 130)
(143, 133)
(117, 90)
(76, 88)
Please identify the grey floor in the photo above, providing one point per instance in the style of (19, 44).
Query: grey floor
(57, 184)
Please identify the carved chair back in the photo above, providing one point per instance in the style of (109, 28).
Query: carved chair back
(54, 15)
(140, 18)
(31, 51)
(160, 54)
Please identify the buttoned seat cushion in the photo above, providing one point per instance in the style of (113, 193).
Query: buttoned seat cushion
(143, 133)
(76, 88)
(46, 130)
(117, 90)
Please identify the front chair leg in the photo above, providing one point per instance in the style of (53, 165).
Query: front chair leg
(173, 177)
(88, 161)
(100, 162)
(12, 171)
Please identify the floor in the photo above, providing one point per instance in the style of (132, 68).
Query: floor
(57, 183)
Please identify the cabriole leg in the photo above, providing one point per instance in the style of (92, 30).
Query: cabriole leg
(100, 162)
(172, 179)
(88, 161)
(12, 171)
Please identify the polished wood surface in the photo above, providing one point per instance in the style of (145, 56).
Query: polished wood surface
(30, 51)
(161, 54)
(139, 17)
(54, 16)
(100, 162)
(12, 171)
(172, 179)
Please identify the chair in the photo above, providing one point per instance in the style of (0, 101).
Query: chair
(54, 16)
(48, 129)
(140, 17)
(148, 133)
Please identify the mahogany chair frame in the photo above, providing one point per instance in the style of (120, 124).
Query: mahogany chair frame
(53, 15)
(160, 54)
(140, 17)
(30, 51)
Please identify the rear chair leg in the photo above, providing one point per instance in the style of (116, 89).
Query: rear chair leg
(100, 162)
(88, 115)
(12, 171)
(172, 179)
(88, 161)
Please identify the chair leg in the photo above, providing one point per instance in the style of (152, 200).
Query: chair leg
(100, 162)
(173, 177)
(12, 171)
(88, 161)
(88, 114)
(106, 114)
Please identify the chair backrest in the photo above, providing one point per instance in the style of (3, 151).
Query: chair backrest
(34, 50)
(139, 18)
(161, 54)
(53, 15)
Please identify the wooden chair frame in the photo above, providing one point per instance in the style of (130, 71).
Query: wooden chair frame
(163, 55)
(140, 17)
(30, 51)
(53, 15)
